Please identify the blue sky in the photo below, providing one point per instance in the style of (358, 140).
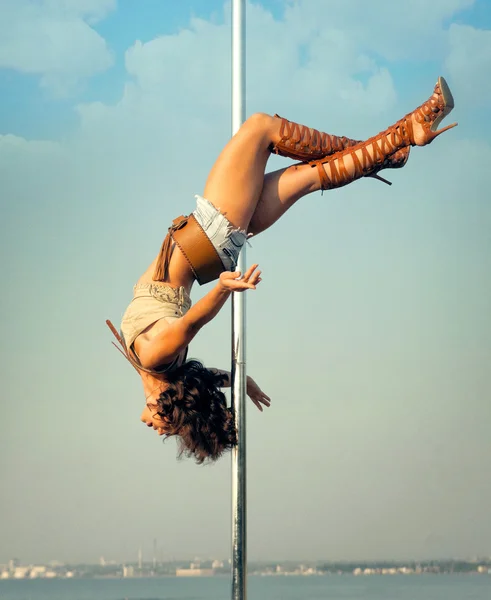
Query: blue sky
(30, 111)
(373, 336)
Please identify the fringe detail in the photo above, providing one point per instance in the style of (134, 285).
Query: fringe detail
(162, 267)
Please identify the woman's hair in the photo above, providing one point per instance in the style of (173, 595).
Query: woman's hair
(196, 410)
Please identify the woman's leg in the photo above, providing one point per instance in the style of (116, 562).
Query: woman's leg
(235, 182)
(253, 201)
(388, 149)
(236, 179)
(237, 185)
(280, 191)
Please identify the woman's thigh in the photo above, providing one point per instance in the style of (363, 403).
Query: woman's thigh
(236, 179)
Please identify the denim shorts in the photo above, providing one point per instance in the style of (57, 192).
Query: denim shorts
(226, 239)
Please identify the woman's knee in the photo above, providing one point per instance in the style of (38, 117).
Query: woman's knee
(260, 123)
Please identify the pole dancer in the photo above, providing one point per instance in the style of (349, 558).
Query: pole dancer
(182, 397)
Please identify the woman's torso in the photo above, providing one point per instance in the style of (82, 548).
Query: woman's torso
(156, 305)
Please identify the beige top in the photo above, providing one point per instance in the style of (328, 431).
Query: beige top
(152, 302)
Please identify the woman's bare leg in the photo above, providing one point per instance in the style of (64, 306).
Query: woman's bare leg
(235, 182)
(281, 189)
(236, 179)
(252, 200)
(238, 187)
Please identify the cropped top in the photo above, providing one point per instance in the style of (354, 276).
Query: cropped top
(152, 302)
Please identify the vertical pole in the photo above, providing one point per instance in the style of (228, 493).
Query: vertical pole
(239, 542)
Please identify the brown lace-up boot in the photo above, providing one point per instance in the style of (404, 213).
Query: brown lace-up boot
(388, 148)
(306, 144)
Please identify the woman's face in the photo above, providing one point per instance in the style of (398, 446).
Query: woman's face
(150, 417)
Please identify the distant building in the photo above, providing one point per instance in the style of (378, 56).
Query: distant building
(194, 572)
(128, 571)
(308, 571)
(50, 574)
(37, 572)
(20, 572)
(13, 564)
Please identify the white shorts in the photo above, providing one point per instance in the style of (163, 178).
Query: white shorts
(226, 239)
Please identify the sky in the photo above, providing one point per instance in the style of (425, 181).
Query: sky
(371, 330)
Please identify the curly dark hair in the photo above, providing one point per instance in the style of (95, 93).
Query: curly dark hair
(196, 411)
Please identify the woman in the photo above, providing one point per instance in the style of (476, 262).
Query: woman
(183, 398)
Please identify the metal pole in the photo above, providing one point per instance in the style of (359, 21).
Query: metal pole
(239, 541)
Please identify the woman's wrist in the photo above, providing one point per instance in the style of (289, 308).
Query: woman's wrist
(221, 289)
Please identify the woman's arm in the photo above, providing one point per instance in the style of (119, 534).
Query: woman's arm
(253, 390)
(225, 375)
(170, 342)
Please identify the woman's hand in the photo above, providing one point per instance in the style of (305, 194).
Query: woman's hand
(231, 281)
(256, 395)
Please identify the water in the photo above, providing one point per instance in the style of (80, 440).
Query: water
(341, 587)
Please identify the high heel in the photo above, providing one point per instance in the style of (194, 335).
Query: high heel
(393, 161)
(432, 112)
(382, 179)
(390, 148)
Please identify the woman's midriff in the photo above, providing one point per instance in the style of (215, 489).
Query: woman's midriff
(180, 273)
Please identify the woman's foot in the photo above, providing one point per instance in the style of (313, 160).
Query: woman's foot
(426, 118)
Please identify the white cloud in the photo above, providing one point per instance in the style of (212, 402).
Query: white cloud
(288, 64)
(185, 71)
(54, 41)
(469, 63)
(393, 30)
